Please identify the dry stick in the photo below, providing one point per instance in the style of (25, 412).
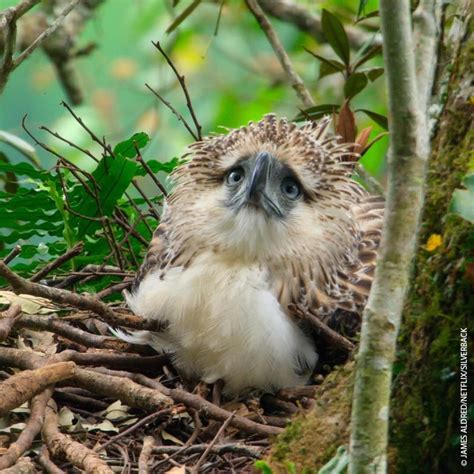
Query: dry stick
(232, 448)
(46, 462)
(26, 384)
(8, 19)
(326, 333)
(65, 329)
(134, 427)
(173, 110)
(23, 466)
(149, 171)
(145, 453)
(294, 78)
(117, 288)
(14, 252)
(61, 260)
(182, 83)
(46, 33)
(409, 150)
(63, 445)
(195, 468)
(29, 433)
(183, 15)
(305, 20)
(21, 285)
(213, 411)
(8, 319)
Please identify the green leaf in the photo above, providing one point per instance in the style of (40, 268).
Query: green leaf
(366, 54)
(355, 84)
(377, 118)
(361, 8)
(111, 177)
(373, 73)
(316, 112)
(157, 166)
(462, 202)
(128, 148)
(336, 35)
(263, 466)
(327, 66)
(23, 169)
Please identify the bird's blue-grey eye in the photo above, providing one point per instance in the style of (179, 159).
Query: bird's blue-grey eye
(235, 176)
(290, 188)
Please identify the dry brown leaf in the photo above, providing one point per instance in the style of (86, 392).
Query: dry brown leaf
(29, 304)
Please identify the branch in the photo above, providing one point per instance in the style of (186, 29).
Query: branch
(303, 19)
(21, 285)
(29, 433)
(294, 79)
(73, 252)
(406, 177)
(427, 28)
(63, 445)
(23, 386)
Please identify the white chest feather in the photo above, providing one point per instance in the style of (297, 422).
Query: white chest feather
(225, 323)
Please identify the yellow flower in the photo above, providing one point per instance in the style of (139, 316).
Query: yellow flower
(434, 241)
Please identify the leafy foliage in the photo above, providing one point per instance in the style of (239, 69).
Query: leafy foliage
(52, 210)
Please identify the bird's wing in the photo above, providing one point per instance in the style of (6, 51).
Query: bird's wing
(338, 295)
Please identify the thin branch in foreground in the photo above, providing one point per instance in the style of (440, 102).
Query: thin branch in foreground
(182, 83)
(173, 110)
(409, 149)
(61, 260)
(21, 285)
(294, 78)
(14, 253)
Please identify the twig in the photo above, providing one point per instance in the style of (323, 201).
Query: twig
(21, 285)
(8, 320)
(145, 453)
(73, 252)
(63, 445)
(134, 427)
(233, 448)
(46, 33)
(294, 78)
(65, 329)
(149, 171)
(183, 15)
(173, 110)
(117, 288)
(324, 331)
(46, 462)
(14, 252)
(221, 430)
(291, 12)
(29, 433)
(182, 83)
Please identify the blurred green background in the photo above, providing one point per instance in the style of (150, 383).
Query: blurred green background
(233, 77)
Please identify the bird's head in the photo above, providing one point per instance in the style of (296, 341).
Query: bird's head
(263, 190)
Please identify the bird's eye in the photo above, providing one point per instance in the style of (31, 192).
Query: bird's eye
(235, 176)
(290, 188)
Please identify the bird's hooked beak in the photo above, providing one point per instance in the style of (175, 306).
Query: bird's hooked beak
(258, 192)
